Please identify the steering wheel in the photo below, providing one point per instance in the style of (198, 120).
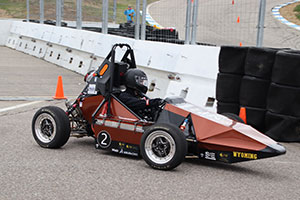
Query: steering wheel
(160, 107)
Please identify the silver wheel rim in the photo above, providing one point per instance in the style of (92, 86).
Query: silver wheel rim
(160, 147)
(45, 128)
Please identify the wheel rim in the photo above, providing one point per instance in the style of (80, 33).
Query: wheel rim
(160, 147)
(45, 128)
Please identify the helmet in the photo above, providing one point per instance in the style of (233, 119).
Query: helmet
(136, 79)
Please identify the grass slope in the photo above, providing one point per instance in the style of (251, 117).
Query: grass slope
(91, 9)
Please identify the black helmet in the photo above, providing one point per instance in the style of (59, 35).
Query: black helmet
(136, 79)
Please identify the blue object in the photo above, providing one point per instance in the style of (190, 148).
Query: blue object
(129, 12)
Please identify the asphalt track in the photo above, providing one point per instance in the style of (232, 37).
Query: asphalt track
(79, 171)
(217, 22)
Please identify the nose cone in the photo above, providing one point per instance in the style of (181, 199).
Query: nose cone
(275, 149)
(280, 149)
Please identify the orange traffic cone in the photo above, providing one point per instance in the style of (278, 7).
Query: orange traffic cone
(59, 89)
(243, 114)
(238, 19)
(241, 44)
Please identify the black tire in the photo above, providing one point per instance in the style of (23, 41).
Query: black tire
(56, 127)
(255, 117)
(286, 70)
(223, 107)
(232, 59)
(234, 117)
(284, 100)
(165, 156)
(254, 92)
(228, 88)
(259, 62)
(282, 128)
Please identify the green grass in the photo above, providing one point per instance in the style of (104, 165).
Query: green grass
(297, 8)
(297, 11)
(14, 8)
(91, 9)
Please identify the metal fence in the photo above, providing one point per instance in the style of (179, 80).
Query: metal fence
(231, 22)
(216, 22)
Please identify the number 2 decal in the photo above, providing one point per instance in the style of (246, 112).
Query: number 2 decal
(104, 139)
(103, 142)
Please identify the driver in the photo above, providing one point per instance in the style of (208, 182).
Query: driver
(134, 96)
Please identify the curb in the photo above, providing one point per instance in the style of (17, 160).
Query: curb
(276, 15)
(149, 18)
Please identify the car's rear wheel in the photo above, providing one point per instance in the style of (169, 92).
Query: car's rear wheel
(163, 146)
(51, 127)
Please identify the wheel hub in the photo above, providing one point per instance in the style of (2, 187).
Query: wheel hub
(45, 127)
(160, 147)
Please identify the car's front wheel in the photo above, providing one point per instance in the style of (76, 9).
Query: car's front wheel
(51, 127)
(163, 146)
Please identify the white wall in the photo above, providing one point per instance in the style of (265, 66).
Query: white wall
(4, 30)
(172, 67)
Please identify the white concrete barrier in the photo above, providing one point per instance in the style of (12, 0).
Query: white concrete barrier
(12, 41)
(24, 44)
(186, 70)
(77, 61)
(39, 49)
(55, 53)
(5, 31)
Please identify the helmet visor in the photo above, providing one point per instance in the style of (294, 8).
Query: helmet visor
(142, 80)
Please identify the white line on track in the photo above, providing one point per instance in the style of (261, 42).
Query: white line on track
(18, 106)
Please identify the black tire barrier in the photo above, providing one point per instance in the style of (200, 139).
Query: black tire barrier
(284, 100)
(255, 117)
(234, 117)
(286, 70)
(228, 88)
(232, 59)
(155, 39)
(223, 107)
(254, 91)
(282, 128)
(49, 22)
(259, 62)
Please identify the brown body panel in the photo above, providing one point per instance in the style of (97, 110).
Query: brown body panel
(212, 132)
(120, 135)
(119, 111)
(120, 120)
(217, 132)
(89, 105)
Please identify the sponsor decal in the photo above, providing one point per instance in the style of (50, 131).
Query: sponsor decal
(130, 153)
(127, 149)
(115, 150)
(252, 156)
(208, 155)
(127, 146)
(92, 89)
(223, 155)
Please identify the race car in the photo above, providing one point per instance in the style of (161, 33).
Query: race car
(178, 129)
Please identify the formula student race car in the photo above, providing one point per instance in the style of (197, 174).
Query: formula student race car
(177, 130)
